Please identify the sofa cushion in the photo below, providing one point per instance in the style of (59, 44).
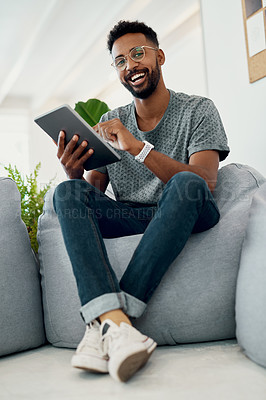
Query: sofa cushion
(195, 300)
(21, 322)
(251, 284)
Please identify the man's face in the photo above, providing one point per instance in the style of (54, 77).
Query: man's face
(140, 86)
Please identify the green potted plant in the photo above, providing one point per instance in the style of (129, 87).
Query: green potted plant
(91, 110)
(31, 199)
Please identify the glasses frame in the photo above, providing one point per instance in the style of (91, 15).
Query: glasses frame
(129, 55)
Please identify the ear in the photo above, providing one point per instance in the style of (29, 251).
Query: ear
(161, 57)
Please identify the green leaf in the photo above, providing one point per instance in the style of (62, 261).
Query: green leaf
(92, 110)
(31, 199)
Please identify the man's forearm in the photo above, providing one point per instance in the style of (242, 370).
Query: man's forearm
(165, 167)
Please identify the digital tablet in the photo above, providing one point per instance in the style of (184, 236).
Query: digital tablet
(64, 118)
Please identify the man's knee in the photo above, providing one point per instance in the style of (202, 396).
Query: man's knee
(66, 189)
(188, 186)
(70, 191)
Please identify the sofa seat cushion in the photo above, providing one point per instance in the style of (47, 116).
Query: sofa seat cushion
(21, 322)
(251, 284)
(196, 299)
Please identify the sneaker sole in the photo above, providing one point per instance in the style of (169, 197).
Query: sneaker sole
(130, 364)
(90, 364)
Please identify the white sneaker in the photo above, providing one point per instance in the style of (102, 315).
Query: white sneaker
(89, 354)
(127, 348)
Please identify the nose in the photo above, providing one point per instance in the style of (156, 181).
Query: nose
(130, 63)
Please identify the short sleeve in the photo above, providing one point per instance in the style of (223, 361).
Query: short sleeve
(103, 170)
(207, 130)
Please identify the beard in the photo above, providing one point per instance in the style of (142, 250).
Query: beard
(153, 80)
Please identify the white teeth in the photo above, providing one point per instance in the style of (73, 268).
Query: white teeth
(137, 76)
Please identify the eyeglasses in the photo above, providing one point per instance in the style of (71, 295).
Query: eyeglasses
(136, 54)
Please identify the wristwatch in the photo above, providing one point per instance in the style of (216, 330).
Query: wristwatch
(144, 152)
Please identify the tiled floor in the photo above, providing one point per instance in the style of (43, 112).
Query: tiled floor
(215, 371)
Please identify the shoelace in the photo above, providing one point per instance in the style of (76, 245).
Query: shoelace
(113, 338)
(91, 339)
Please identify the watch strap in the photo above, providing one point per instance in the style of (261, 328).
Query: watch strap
(144, 152)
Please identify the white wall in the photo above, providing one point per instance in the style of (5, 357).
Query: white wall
(43, 150)
(242, 105)
(14, 135)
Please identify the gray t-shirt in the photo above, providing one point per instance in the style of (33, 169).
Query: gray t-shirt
(189, 124)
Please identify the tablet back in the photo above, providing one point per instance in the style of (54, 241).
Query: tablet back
(64, 118)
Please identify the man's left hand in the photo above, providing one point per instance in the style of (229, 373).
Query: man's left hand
(118, 136)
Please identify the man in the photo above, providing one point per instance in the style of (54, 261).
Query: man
(170, 144)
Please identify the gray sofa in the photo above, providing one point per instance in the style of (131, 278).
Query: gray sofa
(215, 289)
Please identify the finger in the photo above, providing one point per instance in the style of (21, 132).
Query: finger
(109, 122)
(106, 130)
(68, 150)
(86, 156)
(109, 134)
(79, 150)
(96, 127)
(71, 144)
(101, 126)
(100, 131)
(79, 163)
(61, 144)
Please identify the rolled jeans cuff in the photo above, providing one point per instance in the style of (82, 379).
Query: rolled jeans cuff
(102, 304)
(130, 305)
(134, 307)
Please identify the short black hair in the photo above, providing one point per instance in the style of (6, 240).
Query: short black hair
(124, 27)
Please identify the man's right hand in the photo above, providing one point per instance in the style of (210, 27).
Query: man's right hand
(70, 158)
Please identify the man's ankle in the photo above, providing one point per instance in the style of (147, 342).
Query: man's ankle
(117, 316)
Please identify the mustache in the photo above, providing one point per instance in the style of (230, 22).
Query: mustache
(135, 71)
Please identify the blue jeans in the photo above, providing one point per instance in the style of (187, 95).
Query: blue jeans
(87, 215)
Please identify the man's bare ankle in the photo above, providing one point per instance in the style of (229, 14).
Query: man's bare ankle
(117, 316)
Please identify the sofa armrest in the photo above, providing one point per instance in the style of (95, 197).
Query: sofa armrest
(20, 295)
(251, 283)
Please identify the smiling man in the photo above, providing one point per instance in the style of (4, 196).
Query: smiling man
(170, 145)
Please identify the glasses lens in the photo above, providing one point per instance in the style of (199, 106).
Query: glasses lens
(120, 63)
(137, 54)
